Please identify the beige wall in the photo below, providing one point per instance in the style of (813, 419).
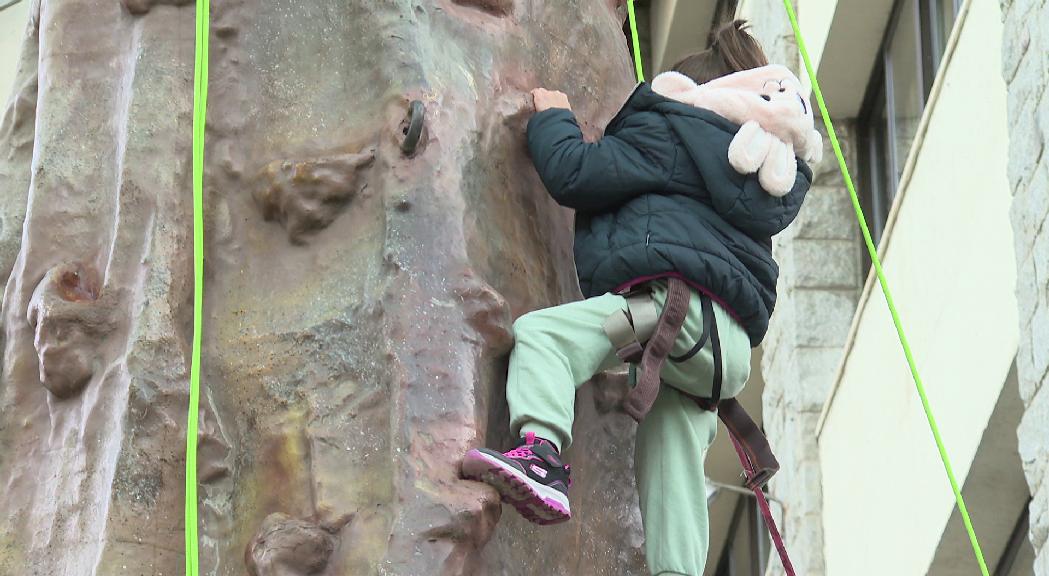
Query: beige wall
(814, 18)
(949, 260)
(679, 28)
(12, 24)
(856, 29)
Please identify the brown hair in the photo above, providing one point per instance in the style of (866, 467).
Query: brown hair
(731, 49)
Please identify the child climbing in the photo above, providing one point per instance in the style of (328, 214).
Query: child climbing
(683, 193)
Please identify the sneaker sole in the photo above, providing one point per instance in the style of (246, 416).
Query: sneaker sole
(537, 503)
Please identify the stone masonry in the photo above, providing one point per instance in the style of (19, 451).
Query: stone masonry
(1025, 67)
(820, 282)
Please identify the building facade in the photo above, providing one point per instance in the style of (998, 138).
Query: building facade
(912, 82)
(941, 109)
(1025, 69)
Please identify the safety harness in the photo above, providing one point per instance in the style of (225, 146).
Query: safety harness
(644, 339)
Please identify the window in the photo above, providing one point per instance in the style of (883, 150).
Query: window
(914, 44)
(906, 86)
(1018, 558)
(746, 553)
(942, 14)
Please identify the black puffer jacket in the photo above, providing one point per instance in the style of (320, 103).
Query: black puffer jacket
(657, 196)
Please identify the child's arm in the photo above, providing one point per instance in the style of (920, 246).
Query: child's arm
(603, 175)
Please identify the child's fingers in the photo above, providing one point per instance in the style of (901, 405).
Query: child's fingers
(544, 99)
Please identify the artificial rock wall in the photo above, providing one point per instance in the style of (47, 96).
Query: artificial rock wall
(358, 297)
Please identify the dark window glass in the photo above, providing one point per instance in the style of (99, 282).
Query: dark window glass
(946, 12)
(910, 55)
(878, 180)
(1018, 557)
(746, 553)
(906, 84)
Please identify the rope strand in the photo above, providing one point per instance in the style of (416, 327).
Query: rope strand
(633, 37)
(200, 104)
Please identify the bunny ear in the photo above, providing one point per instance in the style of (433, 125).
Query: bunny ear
(780, 169)
(814, 148)
(673, 84)
(749, 148)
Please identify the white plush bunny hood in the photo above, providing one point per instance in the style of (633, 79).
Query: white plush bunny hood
(776, 120)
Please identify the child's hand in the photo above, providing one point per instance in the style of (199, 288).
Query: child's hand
(546, 99)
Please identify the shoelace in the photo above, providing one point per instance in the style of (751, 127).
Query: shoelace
(524, 451)
(520, 452)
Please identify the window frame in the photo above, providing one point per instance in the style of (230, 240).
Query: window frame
(748, 529)
(880, 168)
(1017, 540)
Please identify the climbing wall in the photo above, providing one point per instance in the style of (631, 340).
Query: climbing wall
(359, 288)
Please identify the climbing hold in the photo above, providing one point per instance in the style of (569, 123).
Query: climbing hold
(306, 196)
(70, 319)
(143, 6)
(609, 390)
(487, 312)
(413, 127)
(286, 546)
(497, 7)
(213, 451)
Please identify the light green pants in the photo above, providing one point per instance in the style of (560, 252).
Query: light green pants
(560, 348)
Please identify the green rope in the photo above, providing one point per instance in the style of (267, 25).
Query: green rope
(200, 105)
(633, 37)
(885, 289)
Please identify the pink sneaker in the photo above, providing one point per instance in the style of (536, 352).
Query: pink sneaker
(531, 478)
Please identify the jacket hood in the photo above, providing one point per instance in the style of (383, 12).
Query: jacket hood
(769, 139)
(770, 97)
(645, 99)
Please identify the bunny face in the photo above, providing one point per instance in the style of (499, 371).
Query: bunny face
(772, 87)
(777, 102)
(768, 103)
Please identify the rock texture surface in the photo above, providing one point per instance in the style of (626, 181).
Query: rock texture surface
(358, 300)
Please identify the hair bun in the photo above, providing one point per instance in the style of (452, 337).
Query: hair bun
(730, 48)
(733, 42)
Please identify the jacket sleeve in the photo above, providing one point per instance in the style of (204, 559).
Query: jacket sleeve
(597, 177)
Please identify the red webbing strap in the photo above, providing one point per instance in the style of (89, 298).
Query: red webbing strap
(763, 504)
(640, 400)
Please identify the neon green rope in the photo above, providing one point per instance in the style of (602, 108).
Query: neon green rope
(633, 37)
(885, 289)
(200, 105)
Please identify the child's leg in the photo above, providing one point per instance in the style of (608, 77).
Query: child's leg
(671, 445)
(556, 351)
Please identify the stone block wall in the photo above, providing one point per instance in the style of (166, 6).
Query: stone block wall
(821, 275)
(820, 281)
(1025, 67)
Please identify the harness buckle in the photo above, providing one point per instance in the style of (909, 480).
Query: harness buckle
(629, 329)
